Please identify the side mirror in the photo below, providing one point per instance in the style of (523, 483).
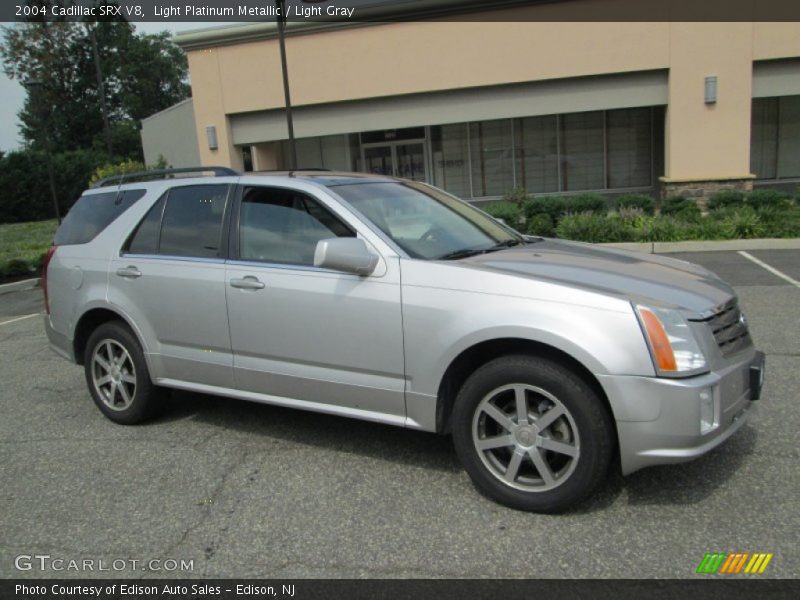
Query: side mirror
(345, 254)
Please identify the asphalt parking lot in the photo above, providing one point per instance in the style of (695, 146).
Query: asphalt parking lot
(246, 490)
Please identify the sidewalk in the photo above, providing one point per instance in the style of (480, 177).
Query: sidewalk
(708, 246)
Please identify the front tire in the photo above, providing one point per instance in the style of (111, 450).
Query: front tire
(532, 434)
(117, 375)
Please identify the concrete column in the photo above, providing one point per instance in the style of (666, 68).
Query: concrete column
(209, 110)
(708, 145)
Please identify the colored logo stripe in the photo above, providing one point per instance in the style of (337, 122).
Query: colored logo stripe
(734, 562)
(758, 563)
(711, 562)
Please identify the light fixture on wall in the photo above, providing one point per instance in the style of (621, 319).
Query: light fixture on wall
(711, 89)
(211, 136)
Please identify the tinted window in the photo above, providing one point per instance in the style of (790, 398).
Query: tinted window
(92, 213)
(145, 238)
(283, 226)
(192, 223)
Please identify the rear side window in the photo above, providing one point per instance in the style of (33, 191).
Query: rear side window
(187, 221)
(92, 213)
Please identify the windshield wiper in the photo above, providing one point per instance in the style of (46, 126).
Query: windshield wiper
(466, 252)
(505, 244)
(463, 253)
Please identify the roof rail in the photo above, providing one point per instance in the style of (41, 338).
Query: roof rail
(165, 173)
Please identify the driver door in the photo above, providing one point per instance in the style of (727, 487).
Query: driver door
(310, 337)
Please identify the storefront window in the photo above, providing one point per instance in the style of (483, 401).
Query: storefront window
(492, 158)
(582, 151)
(789, 136)
(629, 147)
(451, 159)
(597, 150)
(775, 137)
(536, 149)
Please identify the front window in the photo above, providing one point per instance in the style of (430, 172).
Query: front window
(425, 222)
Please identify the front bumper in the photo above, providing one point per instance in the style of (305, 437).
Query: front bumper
(659, 420)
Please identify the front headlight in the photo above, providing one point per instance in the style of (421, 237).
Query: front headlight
(673, 346)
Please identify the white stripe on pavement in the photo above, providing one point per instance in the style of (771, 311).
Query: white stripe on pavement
(771, 269)
(19, 319)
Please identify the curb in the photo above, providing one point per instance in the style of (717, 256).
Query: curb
(709, 246)
(19, 286)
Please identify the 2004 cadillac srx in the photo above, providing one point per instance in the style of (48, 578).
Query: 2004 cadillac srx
(393, 301)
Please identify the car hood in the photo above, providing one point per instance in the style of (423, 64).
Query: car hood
(634, 275)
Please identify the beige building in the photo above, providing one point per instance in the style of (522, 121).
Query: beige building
(481, 107)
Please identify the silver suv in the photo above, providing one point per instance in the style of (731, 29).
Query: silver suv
(395, 302)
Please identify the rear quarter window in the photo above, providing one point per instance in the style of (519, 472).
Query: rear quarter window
(92, 213)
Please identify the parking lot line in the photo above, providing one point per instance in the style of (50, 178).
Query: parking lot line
(19, 318)
(771, 269)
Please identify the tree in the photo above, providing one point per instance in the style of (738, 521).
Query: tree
(142, 74)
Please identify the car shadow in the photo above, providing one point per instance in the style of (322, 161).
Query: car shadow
(679, 484)
(327, 432)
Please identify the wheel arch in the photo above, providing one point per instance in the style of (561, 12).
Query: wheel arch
(482, 352)
(90, 320)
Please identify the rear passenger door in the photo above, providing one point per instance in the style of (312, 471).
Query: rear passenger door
(170, 280)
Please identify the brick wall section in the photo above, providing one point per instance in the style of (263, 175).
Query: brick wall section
(701, 191)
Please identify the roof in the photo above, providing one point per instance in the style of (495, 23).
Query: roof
(326, 178)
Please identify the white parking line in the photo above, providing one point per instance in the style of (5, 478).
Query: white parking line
(771, 269)
(19, 318)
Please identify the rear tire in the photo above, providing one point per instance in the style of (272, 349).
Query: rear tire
(117, 375)
(532, 434)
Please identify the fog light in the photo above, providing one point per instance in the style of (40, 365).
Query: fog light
(708, 412)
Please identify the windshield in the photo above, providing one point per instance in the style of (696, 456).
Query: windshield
(426, 222)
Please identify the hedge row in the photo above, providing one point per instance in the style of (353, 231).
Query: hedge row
(592, 218)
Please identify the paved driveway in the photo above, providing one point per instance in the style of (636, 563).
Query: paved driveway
(249, 490)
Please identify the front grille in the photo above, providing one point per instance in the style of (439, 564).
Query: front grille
(729, 328)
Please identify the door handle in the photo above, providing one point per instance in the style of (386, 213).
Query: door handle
(247, 283)
(129, 272)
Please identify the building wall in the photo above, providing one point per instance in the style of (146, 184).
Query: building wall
(369, 63)
(171, 133)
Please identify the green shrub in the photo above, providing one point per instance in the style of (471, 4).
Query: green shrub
(769, 199)
(541, 224)
(107, 170)
(633, 217)
(558, 206)
(25, 185)
(665, 228)
(683, 209)
(708, 229)
(590, 227)
(641, 201)
(517, 196)
(742, 222)
(583, 203)
(553, 206)
(780, 223)
(726, 198)
(508, 211)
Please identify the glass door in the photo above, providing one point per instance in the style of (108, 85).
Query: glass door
(398, 159)
(410, 161)
(378, 160)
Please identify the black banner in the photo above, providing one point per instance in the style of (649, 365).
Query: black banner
(338, 11)
(305, 589)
